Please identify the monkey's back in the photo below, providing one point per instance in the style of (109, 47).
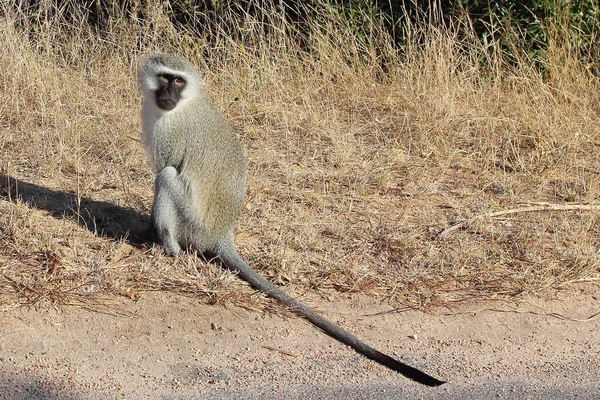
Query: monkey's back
(208, 155)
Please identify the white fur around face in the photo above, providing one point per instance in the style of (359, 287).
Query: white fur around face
(150, 82)
(155, 118)
(194, 83)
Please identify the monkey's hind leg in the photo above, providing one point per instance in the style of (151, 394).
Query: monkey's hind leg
(168, 198)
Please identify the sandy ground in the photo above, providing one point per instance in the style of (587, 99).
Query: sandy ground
(177, 348)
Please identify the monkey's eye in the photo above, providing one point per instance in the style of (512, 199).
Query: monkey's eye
(179, 81)
(163, 79)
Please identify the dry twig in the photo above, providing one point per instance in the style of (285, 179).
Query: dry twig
(531, 208)
(287, 353)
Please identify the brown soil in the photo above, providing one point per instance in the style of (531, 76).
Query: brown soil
(174, 346)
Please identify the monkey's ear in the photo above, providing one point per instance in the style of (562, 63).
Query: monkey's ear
(148, 81)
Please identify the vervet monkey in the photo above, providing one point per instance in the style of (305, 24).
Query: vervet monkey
(201, 183)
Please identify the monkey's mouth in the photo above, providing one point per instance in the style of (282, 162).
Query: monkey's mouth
(166, 104)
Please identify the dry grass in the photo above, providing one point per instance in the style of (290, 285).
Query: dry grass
(354, 170)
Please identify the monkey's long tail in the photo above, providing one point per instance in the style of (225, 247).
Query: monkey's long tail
(235, 263)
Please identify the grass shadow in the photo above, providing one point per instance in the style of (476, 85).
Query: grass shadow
(102, 218)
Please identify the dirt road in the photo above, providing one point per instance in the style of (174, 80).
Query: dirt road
(177, 348)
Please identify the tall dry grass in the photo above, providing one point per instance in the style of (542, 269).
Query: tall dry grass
(360, 154)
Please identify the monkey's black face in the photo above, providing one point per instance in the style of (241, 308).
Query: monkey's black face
(169, 90)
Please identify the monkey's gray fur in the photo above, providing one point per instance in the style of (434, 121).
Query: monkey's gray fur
(201, 183)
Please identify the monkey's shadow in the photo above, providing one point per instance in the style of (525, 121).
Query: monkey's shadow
(102, 218)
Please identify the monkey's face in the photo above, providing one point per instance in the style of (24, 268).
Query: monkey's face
(169, 91)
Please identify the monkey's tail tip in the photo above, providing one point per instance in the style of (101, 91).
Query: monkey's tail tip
(423, 378)
(411, 372)
(431, 381)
